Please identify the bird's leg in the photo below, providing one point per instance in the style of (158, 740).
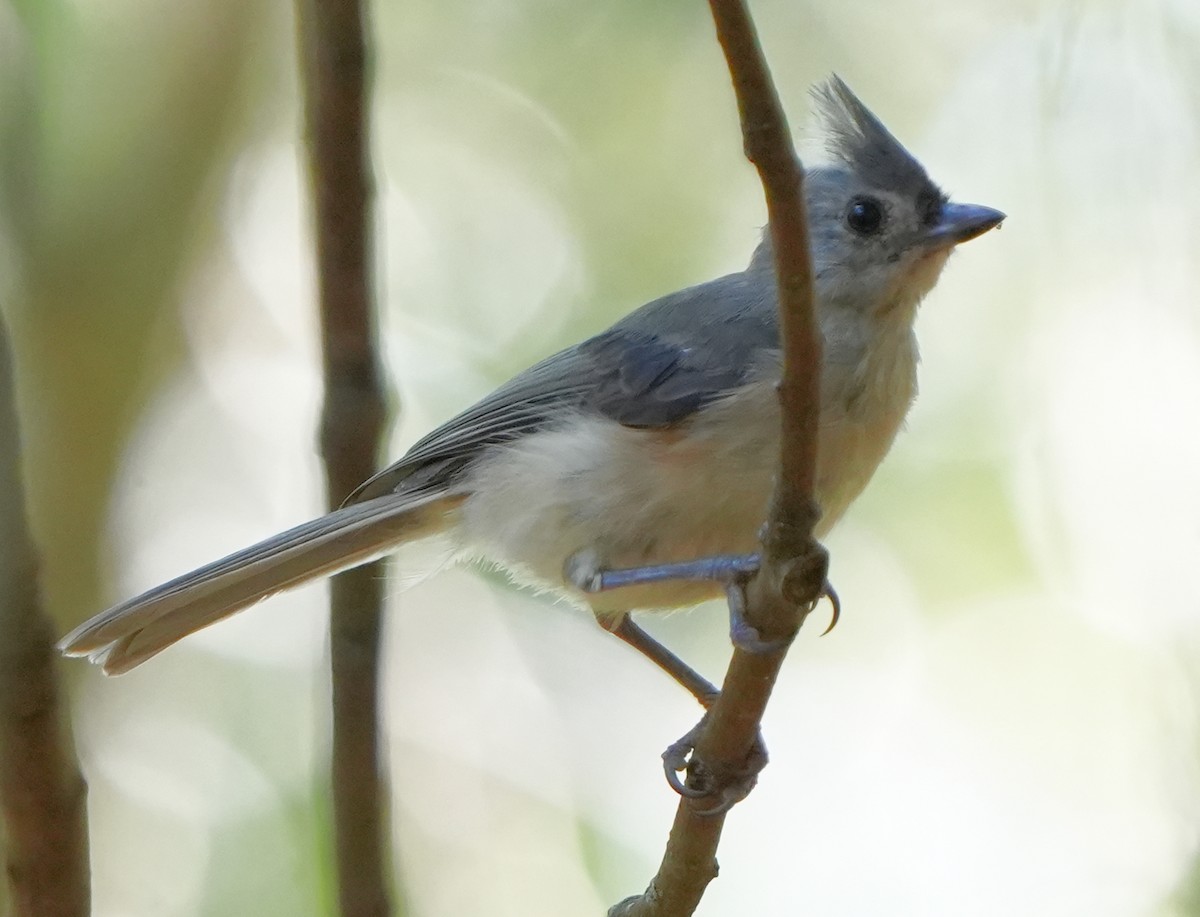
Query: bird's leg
(584, 571)
(732, 570)
(678, 756)
(697, 685)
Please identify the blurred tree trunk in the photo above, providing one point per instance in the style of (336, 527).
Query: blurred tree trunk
(90, 271)
(42, 793)
(335, 60)
(100, 263)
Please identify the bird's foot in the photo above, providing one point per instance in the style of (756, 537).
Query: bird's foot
(745, 635)
(585, 571)
(726, 788)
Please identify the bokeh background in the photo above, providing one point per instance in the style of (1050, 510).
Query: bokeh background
(1005, 720)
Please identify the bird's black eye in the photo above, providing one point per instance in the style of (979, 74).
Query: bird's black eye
(865, 216)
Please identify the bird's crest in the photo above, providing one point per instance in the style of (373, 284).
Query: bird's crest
(858, 139)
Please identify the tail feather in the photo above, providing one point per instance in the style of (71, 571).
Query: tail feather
(130, 633)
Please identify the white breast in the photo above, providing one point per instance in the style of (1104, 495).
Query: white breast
(864, 403)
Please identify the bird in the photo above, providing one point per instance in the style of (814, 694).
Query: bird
(652, 443)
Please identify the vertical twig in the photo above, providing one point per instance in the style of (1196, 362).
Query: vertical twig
(334, 59)
(41, 790)
(793, 569)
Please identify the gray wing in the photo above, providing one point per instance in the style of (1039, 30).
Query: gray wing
(654, 368)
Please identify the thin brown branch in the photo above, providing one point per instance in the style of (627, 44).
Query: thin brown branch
(334, 58)
(42, 792)
(793, 570)
(768, 145)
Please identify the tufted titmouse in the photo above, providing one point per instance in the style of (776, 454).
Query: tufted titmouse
(653, 442)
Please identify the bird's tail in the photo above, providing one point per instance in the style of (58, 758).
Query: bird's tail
(130, 633)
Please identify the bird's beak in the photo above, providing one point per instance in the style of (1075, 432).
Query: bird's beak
(960, 223)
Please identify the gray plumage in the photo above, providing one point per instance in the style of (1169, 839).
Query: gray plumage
(654, 441)
(859, 140)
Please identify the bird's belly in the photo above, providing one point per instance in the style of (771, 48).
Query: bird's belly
(633, 497)
(848, 456)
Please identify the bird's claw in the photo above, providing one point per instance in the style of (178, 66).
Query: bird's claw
(701, 783)
(676, 759)
(745, 635)
(828, 592)
(742, 633)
